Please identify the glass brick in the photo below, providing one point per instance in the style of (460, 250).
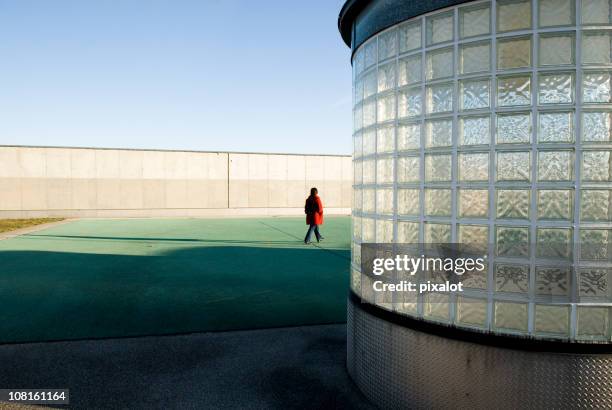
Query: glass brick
(513, 166)
(358, 118)
(369, 200)
(474, 237)
(594, 282)
(436, 307)
(369, 171)
(595, 11)
(439, 133)
(384, 170)
(556, 127)
(513, 203)
(439, 98)
(369, 113)
(408, 137)
(358, 62)
(596, 47)
(384, 231)
(556, 89)
(384, 201)
(440, 28)
(555, 204)
(556, 13)
(356, 227)
(440, 64)
(596, 126)
(596, 205)
(513, 15)
(513, 91)
(514, 53)
(471, 312)
(553, 320)
(475, 279)
(514, 128)
(475, 94)
(370, 85)
(357, 172)
(556, 49)
(386, 108)
(475, 57)
(408, 169)
(512, 241)
(408, 202)
(594, 244)
(596, 166)
(511, 278)
(410, 102)
(555, 243)
(511, 316)
(410, 36)
(437, 167)
(596, 88)
(369, 142)
(438, 202)
(370, 53)
(474, 166)
(357, 91)
(357, 199)
(553, 281)
(475, 130)
(387, 45)
(410, 70)
(593, 323)
(385, 139)
(368, 229)
(555, 166)
(474, 21)
(407, 232)
(473, 203)
(437, 233)
(357, 145)
(386, 77)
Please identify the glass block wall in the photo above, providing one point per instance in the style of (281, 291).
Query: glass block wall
(491, 122)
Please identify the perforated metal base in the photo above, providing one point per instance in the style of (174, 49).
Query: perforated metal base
(397, 367)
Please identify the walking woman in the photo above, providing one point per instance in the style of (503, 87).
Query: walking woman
(314, 215)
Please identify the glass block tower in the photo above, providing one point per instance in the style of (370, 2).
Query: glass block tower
(485, 122)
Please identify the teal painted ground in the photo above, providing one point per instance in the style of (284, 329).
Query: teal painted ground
(110, 278)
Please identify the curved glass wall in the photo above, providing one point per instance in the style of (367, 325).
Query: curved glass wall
(491, 123)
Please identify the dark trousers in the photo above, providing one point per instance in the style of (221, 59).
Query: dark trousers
(314, 228)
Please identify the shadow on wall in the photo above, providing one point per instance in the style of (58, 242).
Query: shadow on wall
(59, 295)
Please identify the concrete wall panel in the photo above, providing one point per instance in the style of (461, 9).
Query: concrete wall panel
(57, 163)
(10, 194)
(84, 195)
(33, 194)
(153, 165)
(59, 193)
(9, 163)
(154, 193)
(81, 182)
(107, 164)
(83, 163)
(33, 162)
(130, 164)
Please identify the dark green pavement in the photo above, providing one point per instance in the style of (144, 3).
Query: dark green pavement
(114, 278)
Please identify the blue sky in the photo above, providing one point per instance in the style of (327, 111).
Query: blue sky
(237, 75)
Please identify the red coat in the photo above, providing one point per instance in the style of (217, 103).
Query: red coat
(315, 218)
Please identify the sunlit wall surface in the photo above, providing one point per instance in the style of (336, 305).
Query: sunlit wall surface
(491, 123)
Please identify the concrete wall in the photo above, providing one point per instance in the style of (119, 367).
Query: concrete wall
(84, 182)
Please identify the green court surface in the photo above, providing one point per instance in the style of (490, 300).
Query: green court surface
(114, 278)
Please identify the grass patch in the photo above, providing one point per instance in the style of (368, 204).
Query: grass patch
(14, 224)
